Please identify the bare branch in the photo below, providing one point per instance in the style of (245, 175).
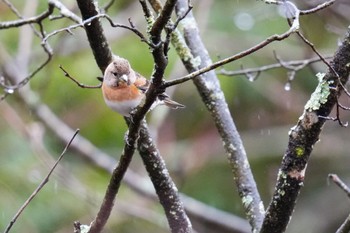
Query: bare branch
(163, 183)
(65, 12)
(302, 138)
(21, 22)
(295, 65)
(107, 5)
(78, 83)
(231, 58)
(345, 227)
(137, 117)
(9, 89)
(337, 117)
(41, 185)
(115, 181)
(213, 98)
(293, 29)
(146, 10)
(302, 12)
(335, 178)
(317, 53)
(317, 8)
(95, 34)
(171, 27)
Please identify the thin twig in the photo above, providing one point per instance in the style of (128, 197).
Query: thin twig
(317, 53)
(64, 11)
(31, 20)
(11, 88)
(77, 82)
(335, 178)
(16, 12)
(107, 6)
(345, 227)
(171, 27)
(231, 58)
(317, 8)
(146, 10)
(41, 185)
(295, 63)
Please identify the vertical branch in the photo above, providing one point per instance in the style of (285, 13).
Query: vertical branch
(302, 138)
(95, 34)
(166, 190)
(213, 97)
(159, 54)
(115, 181)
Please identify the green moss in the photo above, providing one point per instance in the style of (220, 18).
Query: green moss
(299, 151)
(150, 22)
(182, 50)
(320, 95)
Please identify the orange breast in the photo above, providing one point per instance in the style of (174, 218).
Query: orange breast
(121, 93)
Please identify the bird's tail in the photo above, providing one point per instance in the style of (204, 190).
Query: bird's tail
(169, 102)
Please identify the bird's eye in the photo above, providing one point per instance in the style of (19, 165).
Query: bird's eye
(114, 73)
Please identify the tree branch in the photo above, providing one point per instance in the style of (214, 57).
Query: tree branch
(35, 19)
(302, 138)
(339, 183)
(137, 116)
(165, 187)
(209, 88)
(41, 185)
(295, 65)
(115, 181)
(95, 34)
(235, 57)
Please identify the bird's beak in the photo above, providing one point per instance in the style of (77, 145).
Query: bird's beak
(124, 78)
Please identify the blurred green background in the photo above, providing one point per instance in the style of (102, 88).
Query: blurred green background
(262, 110)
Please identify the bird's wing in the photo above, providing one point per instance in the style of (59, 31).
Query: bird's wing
(141, 83)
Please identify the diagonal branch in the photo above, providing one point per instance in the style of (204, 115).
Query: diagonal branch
(209, 88)
(115, 181)
(34, 19)
(235, 57)
(294, 65)
(103, 58)
(302, 138)
(41, 185)
(165, 187)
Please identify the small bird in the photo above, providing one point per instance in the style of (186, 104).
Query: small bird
(123, 89)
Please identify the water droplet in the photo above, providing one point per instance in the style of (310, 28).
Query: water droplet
(287, 86)
(251, 78)
(244, 21)
(9, 90)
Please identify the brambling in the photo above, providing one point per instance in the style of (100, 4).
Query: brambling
(123, 89)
